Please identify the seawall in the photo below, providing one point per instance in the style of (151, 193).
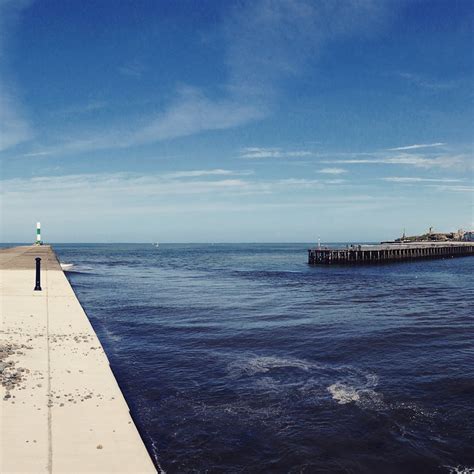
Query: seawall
(61, 408)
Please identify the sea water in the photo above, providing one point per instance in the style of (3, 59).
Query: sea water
(243, 358)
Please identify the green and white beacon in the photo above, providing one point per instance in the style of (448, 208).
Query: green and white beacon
(38, 234)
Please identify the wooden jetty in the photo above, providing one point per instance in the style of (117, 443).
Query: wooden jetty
(388, 252)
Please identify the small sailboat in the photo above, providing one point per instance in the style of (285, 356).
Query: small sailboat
(156, 244)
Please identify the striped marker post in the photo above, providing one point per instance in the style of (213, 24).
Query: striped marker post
(38, 233)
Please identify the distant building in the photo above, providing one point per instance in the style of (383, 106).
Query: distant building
(460, 235)
(468, 236)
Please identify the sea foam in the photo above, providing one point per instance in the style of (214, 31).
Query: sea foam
(343, 393)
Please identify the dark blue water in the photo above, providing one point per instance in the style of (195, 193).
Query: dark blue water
(242, 358)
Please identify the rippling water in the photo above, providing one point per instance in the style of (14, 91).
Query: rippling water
(242, 358)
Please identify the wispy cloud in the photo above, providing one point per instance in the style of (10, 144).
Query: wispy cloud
(14, 126)
(37, 153)
(132, 69)
(265, 42)
(413, 180)
(455, 189)
(216, 183)
(427, 83)
(416, 146)
(304, 183)
(81, 109)
(299, 182)
(258, 153)
(200, 173)
(271, 40)
(409, 159)
(190, 113)
(92, 196)
(332, 171)
(136, 186)
(108, 197)
(193, 112)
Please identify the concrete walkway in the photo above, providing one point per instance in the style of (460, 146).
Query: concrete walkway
(61, 409)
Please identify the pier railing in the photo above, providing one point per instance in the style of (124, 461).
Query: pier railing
(363, 254)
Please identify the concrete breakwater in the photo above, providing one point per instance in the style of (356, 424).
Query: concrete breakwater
(61, 407)
(367, 254)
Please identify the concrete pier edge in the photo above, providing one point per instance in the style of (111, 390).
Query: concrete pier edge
(62, 410)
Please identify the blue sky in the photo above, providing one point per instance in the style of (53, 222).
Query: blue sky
(235, 121)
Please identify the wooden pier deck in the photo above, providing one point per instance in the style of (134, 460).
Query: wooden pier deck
(369, 254)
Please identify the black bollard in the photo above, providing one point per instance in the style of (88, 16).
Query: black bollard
(38, 274)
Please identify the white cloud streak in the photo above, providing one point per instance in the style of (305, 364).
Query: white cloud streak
(417, 146)
(332, 171)
(263, 153)
(192, 113)
(413, 180)
(121, 186)
(456, 189)
(37, 153)
(409, 159)
(200, 173)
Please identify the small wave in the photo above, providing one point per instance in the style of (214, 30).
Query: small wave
(154, 450)
(271, 412)
(415, 411)
(112, 335)
(73, 268)
(67, 266)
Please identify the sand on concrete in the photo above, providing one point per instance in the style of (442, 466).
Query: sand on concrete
(61, 409)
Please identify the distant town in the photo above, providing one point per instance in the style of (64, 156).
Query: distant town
(460, 235)
(426, 246)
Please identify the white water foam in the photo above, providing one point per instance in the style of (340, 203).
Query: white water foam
(361, 392)
(343, 393)
(362, 396)
(346, 384)
(67, 266)
(72, 267)
(460, 470)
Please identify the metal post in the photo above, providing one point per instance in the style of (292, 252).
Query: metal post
(38, 274)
